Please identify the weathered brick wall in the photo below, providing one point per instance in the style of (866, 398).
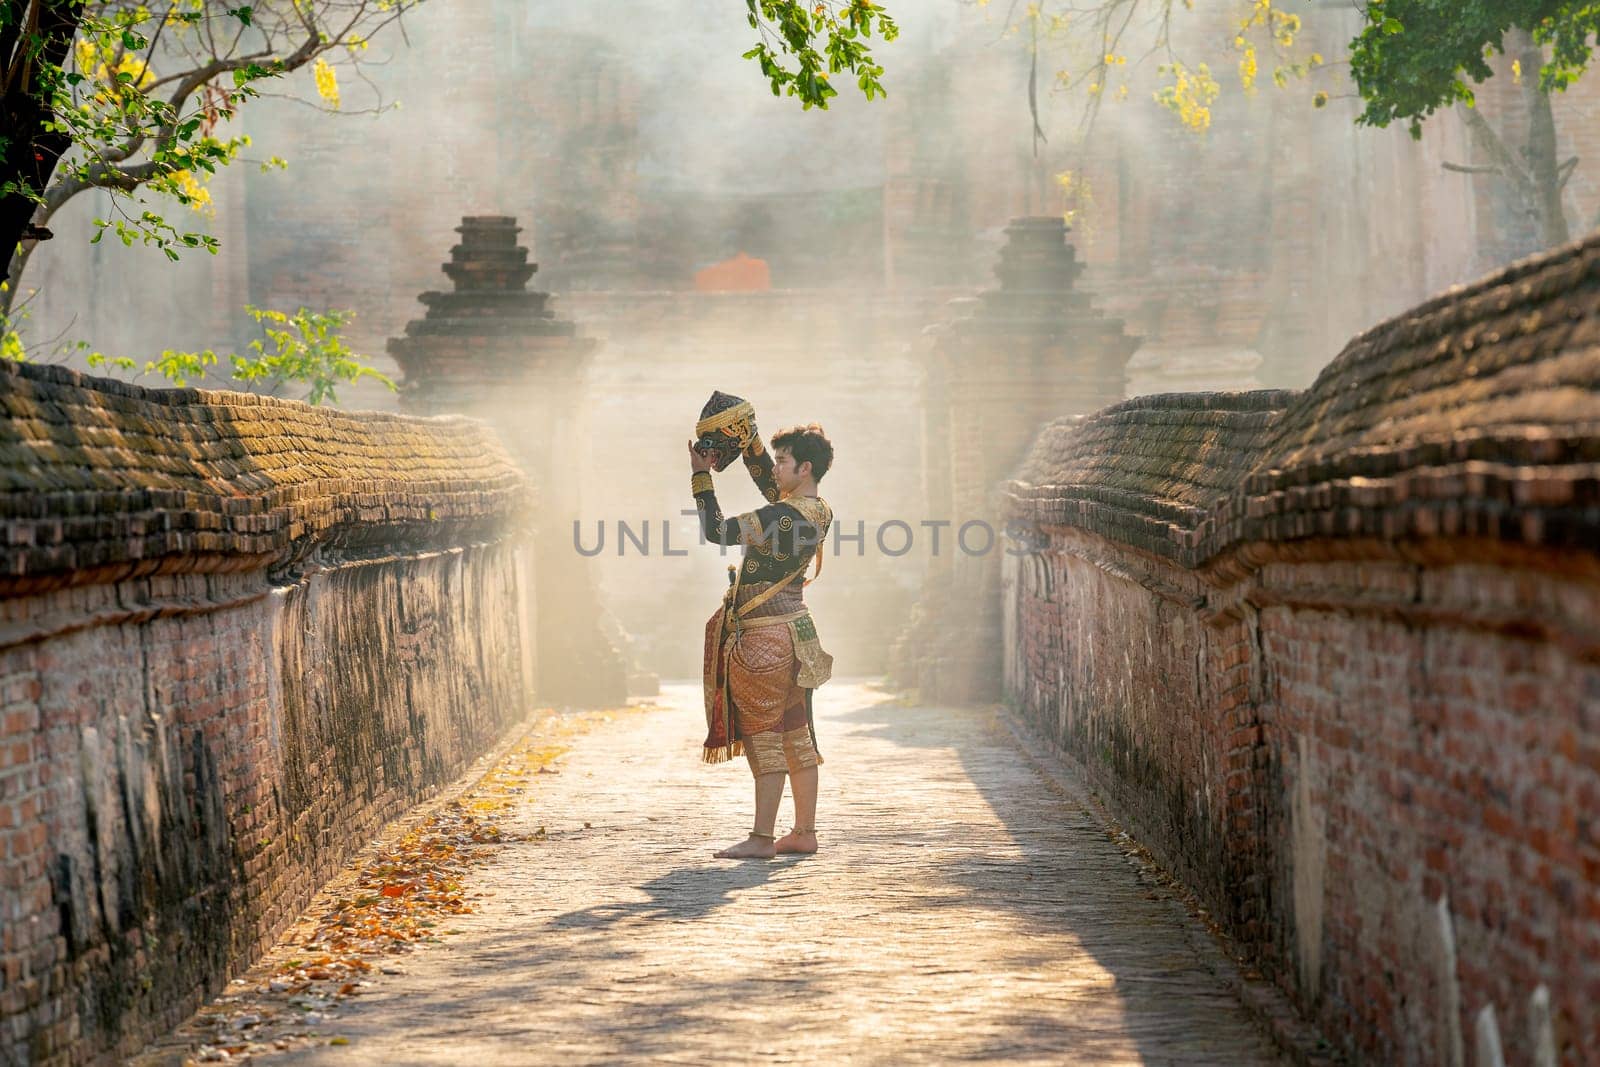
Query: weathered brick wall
(1334, 656)
(237, 635)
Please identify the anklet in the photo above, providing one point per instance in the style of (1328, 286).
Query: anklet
(802, 829)
(764, 837)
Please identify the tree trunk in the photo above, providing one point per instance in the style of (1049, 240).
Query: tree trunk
(18, 263)
(1543, 164)
(1534, 178)
(43, 35)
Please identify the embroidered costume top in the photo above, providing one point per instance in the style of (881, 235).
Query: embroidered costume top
(779, 539)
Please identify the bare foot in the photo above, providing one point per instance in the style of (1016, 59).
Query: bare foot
(751, 848)
(802, 841)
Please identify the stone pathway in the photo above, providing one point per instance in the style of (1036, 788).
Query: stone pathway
(964, 908)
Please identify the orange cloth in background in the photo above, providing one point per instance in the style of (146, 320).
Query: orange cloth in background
(742, 273)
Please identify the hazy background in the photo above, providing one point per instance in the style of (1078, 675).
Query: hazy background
(636, 147)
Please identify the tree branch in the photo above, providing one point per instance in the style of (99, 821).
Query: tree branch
(21, 63)
(307, 20)
(1505, 163)
(284, 36)
(10, 35)
(96, 176)
(155, 43)
(1462, 168)
(189, 82)
(106, 174)
(1565, 171)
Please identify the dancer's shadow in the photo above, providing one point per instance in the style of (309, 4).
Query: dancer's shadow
(686, 893)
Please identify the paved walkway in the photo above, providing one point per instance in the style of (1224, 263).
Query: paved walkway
(963, 908)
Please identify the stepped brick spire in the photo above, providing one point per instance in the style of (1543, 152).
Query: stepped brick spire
(494, 349)
(491, 329)
(1029, 351)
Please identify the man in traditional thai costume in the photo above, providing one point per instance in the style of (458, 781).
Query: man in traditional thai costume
(762, 657)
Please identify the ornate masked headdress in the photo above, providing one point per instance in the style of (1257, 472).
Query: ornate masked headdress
(727, 428)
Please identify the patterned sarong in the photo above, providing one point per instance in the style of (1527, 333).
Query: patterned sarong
(759, 672)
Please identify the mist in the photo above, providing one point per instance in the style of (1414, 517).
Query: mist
(637, 149)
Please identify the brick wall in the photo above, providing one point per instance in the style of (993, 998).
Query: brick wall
(237, 635)
(1333, 655)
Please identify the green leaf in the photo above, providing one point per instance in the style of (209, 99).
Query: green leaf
(808, 37)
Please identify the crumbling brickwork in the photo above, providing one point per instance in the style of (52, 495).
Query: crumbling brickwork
(1033, 347)
(1333, 654)
(237, 635)
(493, 348)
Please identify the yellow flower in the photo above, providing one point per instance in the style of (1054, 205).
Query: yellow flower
(197, 196)
(327, 82)
(131, 65)
(1190, 96)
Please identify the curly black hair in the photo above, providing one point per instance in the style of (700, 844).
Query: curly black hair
(807, 444)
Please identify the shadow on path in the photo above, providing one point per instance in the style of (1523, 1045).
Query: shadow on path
(688, 893)
(964, 908)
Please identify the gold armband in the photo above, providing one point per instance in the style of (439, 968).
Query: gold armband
(700, 482)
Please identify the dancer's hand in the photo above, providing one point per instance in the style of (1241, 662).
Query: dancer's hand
(701, 460)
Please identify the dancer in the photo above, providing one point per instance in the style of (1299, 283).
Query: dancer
(762, 657)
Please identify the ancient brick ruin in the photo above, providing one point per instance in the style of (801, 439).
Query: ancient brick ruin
(492, 348)
(1033, 348)
(239, 635)
(1333, 655)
